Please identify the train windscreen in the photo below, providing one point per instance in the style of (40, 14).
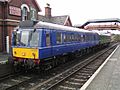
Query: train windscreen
(26, 38)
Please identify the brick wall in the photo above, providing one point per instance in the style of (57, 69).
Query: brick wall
(0, 38)
(9, 21)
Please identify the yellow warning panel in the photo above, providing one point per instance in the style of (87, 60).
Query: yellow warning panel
(31, 53)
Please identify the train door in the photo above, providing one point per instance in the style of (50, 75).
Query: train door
(48, 50)
(48, 39)
(46, 44)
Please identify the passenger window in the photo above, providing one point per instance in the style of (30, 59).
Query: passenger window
(72, 37)
(47, 39)
(64, 37)
(79, 38)
(76, 37)
(67, 38)
(95, 37)
(83, 38)
(59, 37)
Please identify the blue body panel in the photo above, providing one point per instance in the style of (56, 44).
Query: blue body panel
(65, 47)
(90, 40)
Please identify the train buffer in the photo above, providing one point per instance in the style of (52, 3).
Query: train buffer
(107, 77)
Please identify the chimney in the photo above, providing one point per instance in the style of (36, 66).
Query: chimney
(48, 11)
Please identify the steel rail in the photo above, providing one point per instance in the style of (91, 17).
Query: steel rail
(62, 76)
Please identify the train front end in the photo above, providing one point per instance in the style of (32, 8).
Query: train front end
(25, 50)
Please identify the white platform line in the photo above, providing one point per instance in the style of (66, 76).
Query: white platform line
(98, 70)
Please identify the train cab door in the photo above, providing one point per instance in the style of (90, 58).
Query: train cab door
(48, 44)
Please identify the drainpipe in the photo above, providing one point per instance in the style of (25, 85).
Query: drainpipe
(3, 17)
(4, 28)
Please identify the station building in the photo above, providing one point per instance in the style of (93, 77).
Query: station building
(11, 13)
(61, 20)
(14, 11)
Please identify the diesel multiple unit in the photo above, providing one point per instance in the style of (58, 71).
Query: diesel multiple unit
(35, 43)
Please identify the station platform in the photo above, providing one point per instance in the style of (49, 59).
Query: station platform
(5, 68)
(107, 77)
(3, 57)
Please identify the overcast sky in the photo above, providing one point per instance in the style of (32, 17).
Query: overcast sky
(82, 10)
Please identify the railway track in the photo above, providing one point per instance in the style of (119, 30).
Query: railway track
(75, 77)
(12, 82)
(50, 80)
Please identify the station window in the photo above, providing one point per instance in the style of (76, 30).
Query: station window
(47, 39)
(33, 13)
(59, 37)
(24, 14)
(25, 10)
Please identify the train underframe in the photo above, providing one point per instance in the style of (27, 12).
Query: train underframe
(48, 63)
(55, 61)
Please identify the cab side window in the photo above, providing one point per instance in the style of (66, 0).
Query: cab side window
(48, 39)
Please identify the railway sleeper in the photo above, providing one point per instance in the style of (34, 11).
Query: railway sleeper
(78, 80)
(81, 76)
(66, 88)
(73, 84)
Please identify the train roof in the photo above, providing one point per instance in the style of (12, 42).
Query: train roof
(40, 24)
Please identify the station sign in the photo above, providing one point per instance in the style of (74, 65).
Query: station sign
(14, 11)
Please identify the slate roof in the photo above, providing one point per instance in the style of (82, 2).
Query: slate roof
(54, 19)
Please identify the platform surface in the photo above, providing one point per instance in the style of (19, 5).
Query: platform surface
(3, 57)
(109, 76)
